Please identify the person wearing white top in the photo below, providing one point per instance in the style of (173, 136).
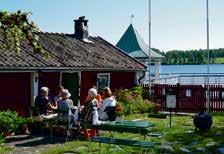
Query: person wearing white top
(107, 110)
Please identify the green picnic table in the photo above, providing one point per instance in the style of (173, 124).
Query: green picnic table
(138, 127)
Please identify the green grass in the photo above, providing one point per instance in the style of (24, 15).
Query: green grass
(219, 60)
(2, 148)
(177, 134)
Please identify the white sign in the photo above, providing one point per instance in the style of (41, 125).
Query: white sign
(171, 101)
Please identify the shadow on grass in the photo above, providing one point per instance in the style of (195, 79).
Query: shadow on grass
(194, 139)
(37, 140)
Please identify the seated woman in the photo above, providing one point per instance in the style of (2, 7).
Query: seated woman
(57, 98)
(90, 106)
(65, 102)
(89, 113)
(107, 110)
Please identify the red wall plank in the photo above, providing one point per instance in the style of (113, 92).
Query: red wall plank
(50, 80)
(118, 80)
(15, 92)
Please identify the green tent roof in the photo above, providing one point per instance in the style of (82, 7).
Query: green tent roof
(132, 43)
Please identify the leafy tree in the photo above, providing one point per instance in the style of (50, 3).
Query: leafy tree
(192, 56)
(16, 29)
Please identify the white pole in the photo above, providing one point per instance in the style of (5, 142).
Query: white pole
(208, 56)
(149, 59)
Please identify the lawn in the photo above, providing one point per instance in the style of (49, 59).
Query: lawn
(219, 60)
(180, 138)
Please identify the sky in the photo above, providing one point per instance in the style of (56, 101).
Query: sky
(176, 24)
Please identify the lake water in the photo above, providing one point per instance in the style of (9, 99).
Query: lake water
(191, 74)
(190, 69)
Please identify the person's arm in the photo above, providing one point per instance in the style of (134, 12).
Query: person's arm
(88, 98)
(70, 103)
(53, 106)
(50, 106)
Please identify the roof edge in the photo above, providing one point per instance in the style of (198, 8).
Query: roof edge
(30, 69)
(123, 52)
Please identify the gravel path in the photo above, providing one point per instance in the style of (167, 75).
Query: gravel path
(25, 144)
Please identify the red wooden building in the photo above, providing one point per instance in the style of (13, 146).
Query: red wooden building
(76, 61)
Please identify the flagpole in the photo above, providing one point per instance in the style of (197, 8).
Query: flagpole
(149, 59)
(208, 56)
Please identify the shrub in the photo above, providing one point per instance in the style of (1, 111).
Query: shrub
(132, 101)
(119, 108)
(1, 140)
(10, 121)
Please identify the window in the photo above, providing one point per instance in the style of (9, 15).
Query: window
(188, 92)
(103, 80)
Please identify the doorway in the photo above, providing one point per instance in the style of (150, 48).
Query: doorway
(70, 81)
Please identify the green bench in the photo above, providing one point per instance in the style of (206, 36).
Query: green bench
(128, 142)
(142, 131)
(125, 142)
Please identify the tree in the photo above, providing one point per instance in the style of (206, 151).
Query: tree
(15, 29)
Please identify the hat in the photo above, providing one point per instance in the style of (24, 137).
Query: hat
(92, 92)
(45, 89)
(65, 93)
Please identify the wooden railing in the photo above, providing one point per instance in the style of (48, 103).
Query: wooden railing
(190, 98)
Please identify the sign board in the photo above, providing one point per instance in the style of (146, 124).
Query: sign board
(171, 101)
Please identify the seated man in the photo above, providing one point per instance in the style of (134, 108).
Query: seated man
(42, 103)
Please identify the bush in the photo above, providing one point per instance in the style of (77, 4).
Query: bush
(1, 140)
(132, 101)
(10, 121)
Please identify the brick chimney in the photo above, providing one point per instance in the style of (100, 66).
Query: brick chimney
(81, 28)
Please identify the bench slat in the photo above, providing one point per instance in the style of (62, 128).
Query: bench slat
(142, 131)
(110, 140)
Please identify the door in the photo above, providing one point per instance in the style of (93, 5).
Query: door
(70, 81)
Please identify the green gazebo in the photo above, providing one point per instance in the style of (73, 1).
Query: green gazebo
(132, 43)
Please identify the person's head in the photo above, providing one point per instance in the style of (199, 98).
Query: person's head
(92, 93)
(107, 92)
(44, 91)
(59, 90)
(65, 94)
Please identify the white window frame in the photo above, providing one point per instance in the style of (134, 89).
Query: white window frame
(102, 74)
(188, 92)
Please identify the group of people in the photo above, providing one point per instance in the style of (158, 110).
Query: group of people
(96, 109)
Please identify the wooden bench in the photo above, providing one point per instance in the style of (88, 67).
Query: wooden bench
(142, 131)
(128, 142)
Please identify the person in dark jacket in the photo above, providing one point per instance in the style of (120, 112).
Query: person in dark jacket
(42, 102)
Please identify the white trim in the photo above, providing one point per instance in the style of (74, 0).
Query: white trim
(34, 86)
(99, 74)
(60, 78)
(80, 82)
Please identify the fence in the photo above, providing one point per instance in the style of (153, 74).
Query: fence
(191, 79)
(190, 98)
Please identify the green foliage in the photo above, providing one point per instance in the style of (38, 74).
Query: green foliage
(1, 139)
(219, 60)
(192, 56)
(132, 101)
(16, 29)
(10, 121)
